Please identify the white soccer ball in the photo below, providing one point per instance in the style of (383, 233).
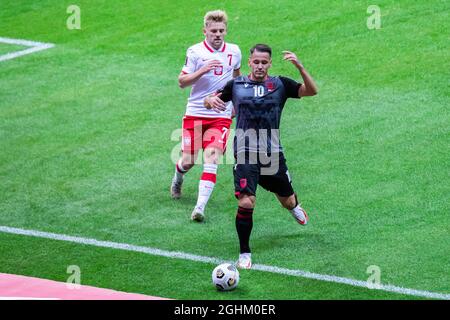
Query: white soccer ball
(225, 277)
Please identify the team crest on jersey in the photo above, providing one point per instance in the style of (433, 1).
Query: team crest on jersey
(243, 183)
(270, 86)
(218, 71)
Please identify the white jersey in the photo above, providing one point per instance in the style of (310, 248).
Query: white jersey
(197, 56)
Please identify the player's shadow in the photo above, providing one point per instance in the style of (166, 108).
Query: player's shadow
(306, 241)
(188, 196)
(187, 199)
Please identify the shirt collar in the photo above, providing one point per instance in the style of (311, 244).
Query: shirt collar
(211, 49)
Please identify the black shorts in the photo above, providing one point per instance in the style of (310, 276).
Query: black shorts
(273, 177)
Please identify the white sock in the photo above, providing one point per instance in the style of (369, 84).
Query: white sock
(205, 188)
(206, 185)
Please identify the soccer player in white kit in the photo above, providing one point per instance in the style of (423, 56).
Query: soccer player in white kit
(209, 65)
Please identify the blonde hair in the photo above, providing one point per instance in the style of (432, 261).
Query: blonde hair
(215, 16)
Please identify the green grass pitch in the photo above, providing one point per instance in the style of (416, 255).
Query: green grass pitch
(85, 146)
(8, 48)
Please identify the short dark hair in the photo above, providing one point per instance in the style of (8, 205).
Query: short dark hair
(260, 47)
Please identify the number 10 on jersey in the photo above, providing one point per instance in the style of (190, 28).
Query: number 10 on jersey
(258, 91)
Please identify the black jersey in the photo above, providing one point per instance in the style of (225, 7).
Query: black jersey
(258, 107)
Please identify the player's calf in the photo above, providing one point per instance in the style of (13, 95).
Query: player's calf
(183, 165)
(291, 203)
(177, 180)
(244, 225)
(205, 189)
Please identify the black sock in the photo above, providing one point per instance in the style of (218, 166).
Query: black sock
(244, 225)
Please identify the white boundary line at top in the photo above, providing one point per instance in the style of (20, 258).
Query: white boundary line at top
(33, 47)
(197, 258)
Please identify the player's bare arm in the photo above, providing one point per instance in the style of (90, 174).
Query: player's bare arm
(215, 103)
(309, 87)
(186, 80)
(237, 73)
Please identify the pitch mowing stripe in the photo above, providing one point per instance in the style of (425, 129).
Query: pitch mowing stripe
(197, 258)
(34, 47)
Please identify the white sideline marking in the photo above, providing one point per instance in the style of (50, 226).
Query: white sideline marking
(192, 257)
(34, 47)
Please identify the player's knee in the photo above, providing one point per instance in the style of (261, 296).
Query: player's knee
(188, 161)
(247, 201)
(212, 155)
(187, 165)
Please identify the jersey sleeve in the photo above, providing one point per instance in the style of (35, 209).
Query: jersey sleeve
(227, 91)
(291, 87)
(190, 63)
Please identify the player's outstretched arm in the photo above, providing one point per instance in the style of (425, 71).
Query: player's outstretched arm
(186, 80)
(309, 87)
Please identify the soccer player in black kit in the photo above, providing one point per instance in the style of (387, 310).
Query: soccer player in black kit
(258, 101)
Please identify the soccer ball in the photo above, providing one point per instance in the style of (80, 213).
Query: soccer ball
(225, 277)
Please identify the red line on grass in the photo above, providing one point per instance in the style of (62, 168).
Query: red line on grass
(22, 287)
